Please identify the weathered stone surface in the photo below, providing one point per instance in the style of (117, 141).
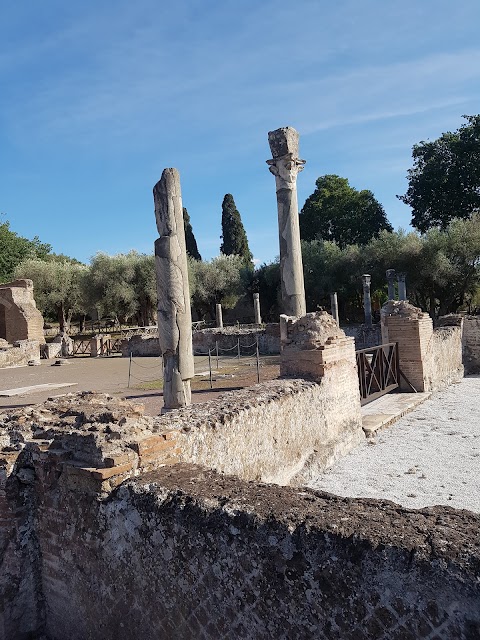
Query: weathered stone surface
(19, 317)
(205, 339)
(430, 359)
(256, 308)
(285, 166)
(187, 553)
(20, 353)
(471, 344)
(174, 315)
(66, 344)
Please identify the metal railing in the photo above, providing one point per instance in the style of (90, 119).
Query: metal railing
(378, 371)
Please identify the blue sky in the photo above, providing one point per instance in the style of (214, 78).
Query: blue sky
(97, 97)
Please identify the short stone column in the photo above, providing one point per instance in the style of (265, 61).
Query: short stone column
(390, 273)
(285, 166)
(367, 302)
(256, 308)
(173, 292)
(402, 287)
(219, 316)
(412, 329)
(334, 306)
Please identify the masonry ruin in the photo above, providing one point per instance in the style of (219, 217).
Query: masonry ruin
(196, 523)
(21, 324)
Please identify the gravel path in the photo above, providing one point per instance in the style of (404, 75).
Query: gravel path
(429, 457)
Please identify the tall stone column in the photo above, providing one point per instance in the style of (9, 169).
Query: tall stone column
(402, 287)
(390, 273)
(285, 166)
(367, 302)
(174, 314)
(219, 315)
(334, 306)
(256, 308)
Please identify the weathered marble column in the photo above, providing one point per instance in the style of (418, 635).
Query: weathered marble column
(285, 166)
(402, 287)
(367, 302)
(256, 308)
(174, 314)
(219, 316)
(334, 306)
(390, 273)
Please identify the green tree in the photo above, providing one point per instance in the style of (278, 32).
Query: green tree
(59, 285)
(444, 182)
(14, 249)
(123, 286)
(339, 213)
(234, 237)
(191, 243)
(220, 280)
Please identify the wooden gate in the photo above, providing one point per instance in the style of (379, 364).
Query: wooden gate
(378, 371)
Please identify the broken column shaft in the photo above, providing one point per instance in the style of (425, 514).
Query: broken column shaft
(390, 273)
(367, 302)
(285, 166)
(334, 306)
(174, 314)
(256, 308)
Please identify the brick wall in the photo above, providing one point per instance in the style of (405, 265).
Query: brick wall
(185, 553)
(430, 359)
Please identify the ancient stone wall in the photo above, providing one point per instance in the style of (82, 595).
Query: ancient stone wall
(430, 359)
(281, 431)
(205, 339)
(19, 317)
(20, 353)
(186, 553)
(445, 358)
(364, 336)
(471, 344)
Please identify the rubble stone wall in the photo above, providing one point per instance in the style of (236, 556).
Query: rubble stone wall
(471, 344)
(185, 553)
(281, 431)
(19, 353)
(446, 364)
(205, 339)
(364, 336)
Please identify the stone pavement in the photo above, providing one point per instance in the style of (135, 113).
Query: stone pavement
(381, 413)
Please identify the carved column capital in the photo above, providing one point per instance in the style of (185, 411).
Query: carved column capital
(285, 169)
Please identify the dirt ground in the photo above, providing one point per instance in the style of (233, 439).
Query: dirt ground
(111, 375)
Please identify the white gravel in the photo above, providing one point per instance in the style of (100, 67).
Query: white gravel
(429, 457)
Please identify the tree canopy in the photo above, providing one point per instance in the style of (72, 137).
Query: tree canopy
(220, 280)
(14, 249)
(444, 182)
(234, 237)
(59, 286)
(339, 213)
(191, 243)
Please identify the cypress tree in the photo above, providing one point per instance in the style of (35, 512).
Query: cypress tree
(234, 238)
(191, 243)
